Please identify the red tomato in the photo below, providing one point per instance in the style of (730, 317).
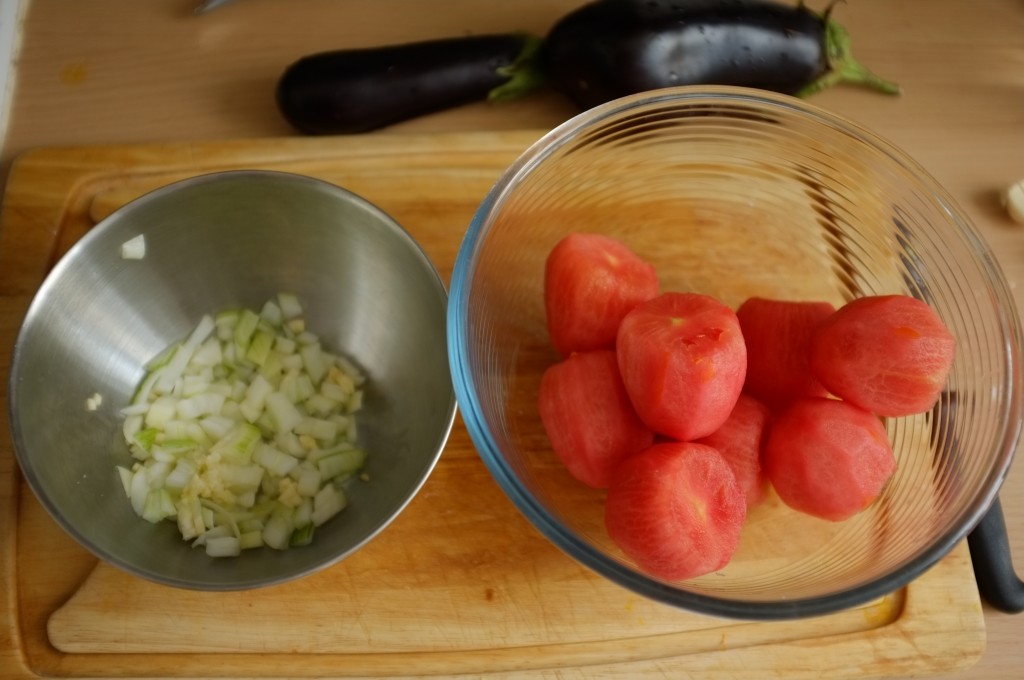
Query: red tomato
(588, 417)
(741, 440)
(888, 354)
(676, 510)
(778, 338)
(828, 458)
(590, 282)
(683, 362)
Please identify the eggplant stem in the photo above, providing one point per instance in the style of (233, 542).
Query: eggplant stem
(843, 68)
(525, 74)
(828, 10)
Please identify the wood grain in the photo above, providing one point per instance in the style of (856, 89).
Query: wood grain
(157, 74)
(461, 583)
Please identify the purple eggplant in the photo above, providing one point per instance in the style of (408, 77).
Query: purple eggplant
(359, 90)
(601, 51)
(612, 48)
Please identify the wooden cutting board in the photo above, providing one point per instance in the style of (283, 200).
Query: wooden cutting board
(460, 584)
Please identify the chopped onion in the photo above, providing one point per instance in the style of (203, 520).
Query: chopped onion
(290, 306)
(134, 248)
(243, 433)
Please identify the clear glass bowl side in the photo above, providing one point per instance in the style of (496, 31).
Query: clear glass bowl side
(736, 196)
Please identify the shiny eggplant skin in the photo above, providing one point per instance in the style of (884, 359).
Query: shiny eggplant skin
(359, 90)
(612, 48)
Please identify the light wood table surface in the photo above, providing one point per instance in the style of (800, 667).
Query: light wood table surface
(124, 71)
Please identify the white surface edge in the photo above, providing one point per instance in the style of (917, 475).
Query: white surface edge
(12, 16)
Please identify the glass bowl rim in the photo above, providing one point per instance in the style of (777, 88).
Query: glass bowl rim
(1010, 424)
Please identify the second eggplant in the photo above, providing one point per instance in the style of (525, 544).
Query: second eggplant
(612, 48)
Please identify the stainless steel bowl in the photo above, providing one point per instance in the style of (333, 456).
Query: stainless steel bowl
(213, 242)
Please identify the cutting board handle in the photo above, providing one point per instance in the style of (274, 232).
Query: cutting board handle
(997, 580)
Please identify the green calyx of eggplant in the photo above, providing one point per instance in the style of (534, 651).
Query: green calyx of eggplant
(843, 67)
(525, 74)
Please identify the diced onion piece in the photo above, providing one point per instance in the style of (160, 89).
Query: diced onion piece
(142, 394)
(247, 498)
(284, 345)
(238, 444)
(132, 424)
(135, 410)
(349, 369)
(244, 329)
(308, 481)
(93, 402)
(158, 506)
(341, 463)
(205, 404)
(327, 503)
(178, 362)
(250, 524)
(277, 533)
(180, 476)
(251, 539)
(283, 412)
(217, 426)
(139, 490)
(304, 388)
(134, 248)
(276, 462)
(303, 535)
(271, 313)
(290, 305)
(225, 321)
(289, 443)
(355, 402)
(241, 478)
(313, 361)
(194, 384)
(125, 475)
(320, 405)
(176, 447)
(334, 392)
(223, 546)
(272, 367)
(317, 428)
(303, 515)
(255, 398)
(259, 347)
(209, 353)
(145, 439)
(161, 411)
(175, 428)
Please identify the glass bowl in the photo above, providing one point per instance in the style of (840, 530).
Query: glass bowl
(736, 193)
